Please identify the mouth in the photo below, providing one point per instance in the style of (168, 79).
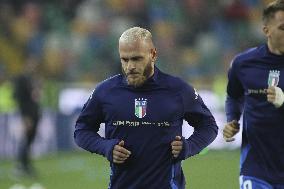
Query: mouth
(133, 74)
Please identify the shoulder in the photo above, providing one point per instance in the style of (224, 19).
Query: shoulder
(175, 83)
(247, 55)
(105, 86)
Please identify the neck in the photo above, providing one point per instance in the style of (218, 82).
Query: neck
(273, 49)
(151, 74)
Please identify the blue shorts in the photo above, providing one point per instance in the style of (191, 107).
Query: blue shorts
(247, 182)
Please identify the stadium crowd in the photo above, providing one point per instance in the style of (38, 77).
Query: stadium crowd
(76, 41)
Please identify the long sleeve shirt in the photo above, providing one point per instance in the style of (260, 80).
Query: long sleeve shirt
(262, 150)
(147, 118)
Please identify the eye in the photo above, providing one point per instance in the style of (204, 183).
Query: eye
(137, 58)
(124, 59)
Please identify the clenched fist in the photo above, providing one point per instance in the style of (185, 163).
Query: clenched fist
(176, 146)
(275, 96)
(119, 153)
(230, 130)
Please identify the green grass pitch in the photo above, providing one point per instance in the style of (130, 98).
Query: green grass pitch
(82, 170)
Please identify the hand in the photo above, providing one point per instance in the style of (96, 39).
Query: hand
(275, 96)
(119, 153)
(230, 130)
(176, 146)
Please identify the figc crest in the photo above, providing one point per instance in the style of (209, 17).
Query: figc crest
(140, 107)
(273, 78)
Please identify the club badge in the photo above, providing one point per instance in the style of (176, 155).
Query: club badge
(140, 107)
(273, 77)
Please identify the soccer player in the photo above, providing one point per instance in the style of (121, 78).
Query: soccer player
(143, 111)
(255, 84)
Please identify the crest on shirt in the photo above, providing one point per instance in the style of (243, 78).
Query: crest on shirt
(273, 77)
(140, 107)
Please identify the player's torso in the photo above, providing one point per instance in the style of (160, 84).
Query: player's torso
(148, 122)
(256, 75)
(263, 127)
(148, 106)
(143, 114)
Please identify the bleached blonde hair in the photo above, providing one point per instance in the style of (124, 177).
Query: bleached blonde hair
(136, 34)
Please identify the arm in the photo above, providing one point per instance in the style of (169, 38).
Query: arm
(233, 108)
(87, 126)
(234, 104)
(198, 116)
(235, 93)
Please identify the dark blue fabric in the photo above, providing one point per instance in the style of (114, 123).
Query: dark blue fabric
(262, 151)
(247, 182)
(151, 164)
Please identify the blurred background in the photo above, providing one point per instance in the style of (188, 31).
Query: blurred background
(74, 44)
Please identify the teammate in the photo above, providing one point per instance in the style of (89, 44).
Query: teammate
(256, 81)
(143, 111)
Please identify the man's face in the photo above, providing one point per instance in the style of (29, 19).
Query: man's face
(137, 61)
(275, 32)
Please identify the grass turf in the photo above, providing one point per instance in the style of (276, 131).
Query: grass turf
(82, 170)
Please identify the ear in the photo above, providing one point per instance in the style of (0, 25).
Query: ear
(265, 30)
(154, 54)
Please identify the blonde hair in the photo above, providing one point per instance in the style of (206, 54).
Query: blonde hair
(136, 34)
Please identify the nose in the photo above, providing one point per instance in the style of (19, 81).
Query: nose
(131, 66)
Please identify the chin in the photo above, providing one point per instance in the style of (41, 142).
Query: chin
(135, 82)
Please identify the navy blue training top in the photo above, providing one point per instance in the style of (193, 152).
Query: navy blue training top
(262, 151)
(147, 118)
